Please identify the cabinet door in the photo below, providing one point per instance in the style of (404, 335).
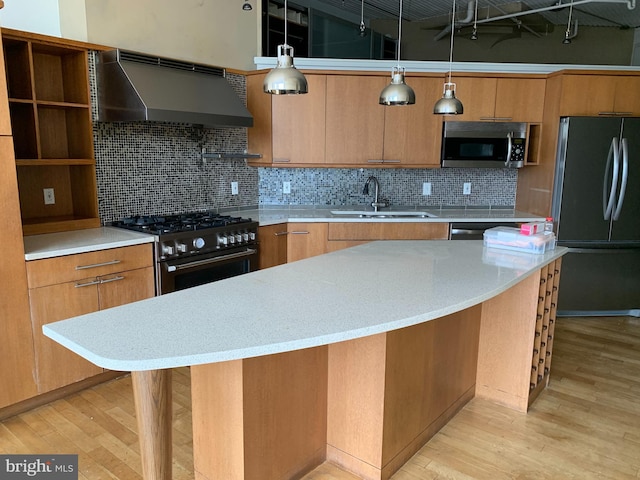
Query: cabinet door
(520, 99)
(125, 287)
(299, 125)
(412, 133)
(478, 97)
(355, 120)
(306, 240)
(627, 99)
(586, 95)
(5, 120)
(273, 245)
(56, 365)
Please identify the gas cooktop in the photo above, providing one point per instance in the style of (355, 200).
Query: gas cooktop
(184, 222)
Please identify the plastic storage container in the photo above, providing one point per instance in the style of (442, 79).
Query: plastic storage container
(509, 238)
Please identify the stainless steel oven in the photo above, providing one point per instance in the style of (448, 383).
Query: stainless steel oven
(195, 248)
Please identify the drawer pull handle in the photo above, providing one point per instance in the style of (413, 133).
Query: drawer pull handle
(88, 284)
(299, 233)
(281, 160)
(96, 265)
(279, 234)
(111, 279)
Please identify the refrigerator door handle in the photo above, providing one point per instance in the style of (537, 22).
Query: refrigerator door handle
(607, 203)
(624, 149)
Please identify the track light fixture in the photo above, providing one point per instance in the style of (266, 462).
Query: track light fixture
(246, 6)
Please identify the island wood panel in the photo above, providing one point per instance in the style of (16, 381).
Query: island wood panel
(507, 333)
(387, 231)
(260, 418)
(389, 393)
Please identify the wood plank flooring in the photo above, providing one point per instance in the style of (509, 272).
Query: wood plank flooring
(586, 425)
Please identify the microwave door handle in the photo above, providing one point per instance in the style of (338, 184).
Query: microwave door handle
(509, 148)
(607, 203)
(624, 152)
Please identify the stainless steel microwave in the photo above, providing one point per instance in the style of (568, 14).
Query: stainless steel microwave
(484, 144)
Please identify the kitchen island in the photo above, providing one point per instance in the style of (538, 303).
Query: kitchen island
(356, 357)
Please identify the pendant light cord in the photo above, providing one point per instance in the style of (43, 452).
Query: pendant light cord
(286, 21)
(399, 32)
(453, 27)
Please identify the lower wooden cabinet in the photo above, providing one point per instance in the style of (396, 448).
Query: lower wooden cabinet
(306, 240)
(108, 278)
(273, 245)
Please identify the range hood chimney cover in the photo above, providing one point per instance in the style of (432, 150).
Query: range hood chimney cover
(136, 87)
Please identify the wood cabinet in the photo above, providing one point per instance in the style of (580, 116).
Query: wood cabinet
(73, 285)
(500, 99)
(306, 240)
(48, 89)
(588, 94)
(17, 379)
(340, 123)
(273, 245)
(349, 234)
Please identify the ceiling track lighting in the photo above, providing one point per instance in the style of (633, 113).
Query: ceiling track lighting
(398, 92)
(363, 27)
(449, 104)
(474, 32)
(285, 79)
(246, 6)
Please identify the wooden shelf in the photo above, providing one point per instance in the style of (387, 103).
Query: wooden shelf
(50, 111)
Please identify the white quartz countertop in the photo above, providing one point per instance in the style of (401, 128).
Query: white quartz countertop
(274, 215)
(351, 293)
(49, 245)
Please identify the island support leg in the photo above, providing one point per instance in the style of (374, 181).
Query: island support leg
(152, 394)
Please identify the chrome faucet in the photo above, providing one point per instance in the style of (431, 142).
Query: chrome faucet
(376, 192)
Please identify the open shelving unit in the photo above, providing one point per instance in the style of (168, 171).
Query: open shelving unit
(48, 88)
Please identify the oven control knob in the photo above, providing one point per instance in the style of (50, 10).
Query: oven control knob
(168, 249)
(198, 242)
(181, 247)
(238, 238)
(252, 236)
(245, 237)
(222, 240)
(232, 239)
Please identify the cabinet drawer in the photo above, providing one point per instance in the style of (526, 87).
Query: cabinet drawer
(70, 268)
(388, 231)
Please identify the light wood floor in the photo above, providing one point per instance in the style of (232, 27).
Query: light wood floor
(586, 425)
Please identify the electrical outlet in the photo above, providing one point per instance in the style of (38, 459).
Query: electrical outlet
(49, 196)
(286, 187)
(466, 188)
(234, 188)
(426, 188)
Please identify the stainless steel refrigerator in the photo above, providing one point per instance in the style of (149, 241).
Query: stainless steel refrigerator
(596, 207)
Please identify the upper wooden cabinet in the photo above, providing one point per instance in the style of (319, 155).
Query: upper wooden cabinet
(499, 99)
(340, 123)
(48, 90)
(584, 94)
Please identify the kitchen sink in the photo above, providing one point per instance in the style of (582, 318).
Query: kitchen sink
(385, 214)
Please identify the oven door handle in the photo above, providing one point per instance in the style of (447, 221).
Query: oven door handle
(247, 253)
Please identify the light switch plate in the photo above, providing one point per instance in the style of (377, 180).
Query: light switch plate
(466, 188)
(49, 196)
(426, 188)
(234, 188)
(286, 187)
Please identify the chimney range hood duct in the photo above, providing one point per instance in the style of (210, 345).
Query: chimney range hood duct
(136, 87)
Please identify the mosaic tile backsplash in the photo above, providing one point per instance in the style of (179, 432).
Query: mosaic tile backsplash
(154, 168)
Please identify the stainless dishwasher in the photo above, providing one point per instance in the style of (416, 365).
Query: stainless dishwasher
(474, 230)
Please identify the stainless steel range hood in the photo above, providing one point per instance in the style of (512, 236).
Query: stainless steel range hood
(137, 87)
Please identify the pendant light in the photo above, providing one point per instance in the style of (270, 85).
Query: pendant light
(398, 92)
(449, 104)
(285, 79)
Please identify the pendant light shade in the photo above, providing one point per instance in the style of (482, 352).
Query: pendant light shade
(449, 104)
(397, 92)
(285, 79)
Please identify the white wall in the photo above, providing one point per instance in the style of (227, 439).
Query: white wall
(39, 16)
(214, 32)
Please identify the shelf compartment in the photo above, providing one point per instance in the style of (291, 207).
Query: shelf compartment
(23, 127)
(65, 132)
(17, 56)
(60, 74)
(74, 187)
